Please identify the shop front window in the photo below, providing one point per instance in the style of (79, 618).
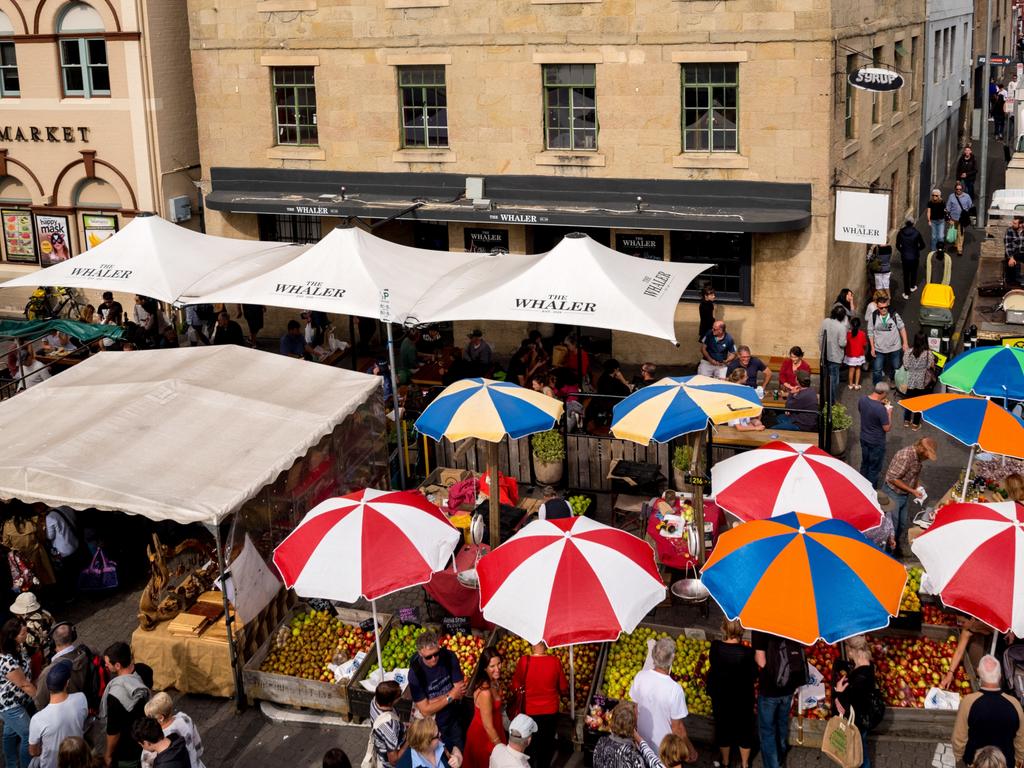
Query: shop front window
(730, 255)
(570, 106)
(302, 230)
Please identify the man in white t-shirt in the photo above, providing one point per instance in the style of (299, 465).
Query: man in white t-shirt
(64, 716)
(660, 700)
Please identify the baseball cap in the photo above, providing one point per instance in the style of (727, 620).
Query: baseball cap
(58, 676)
(522, 726)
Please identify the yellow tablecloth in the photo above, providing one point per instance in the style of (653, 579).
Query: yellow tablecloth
(188, 664)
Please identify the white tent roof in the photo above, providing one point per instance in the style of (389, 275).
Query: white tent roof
(578, 282)
(349, 272)
(153, 257)
(176, 434)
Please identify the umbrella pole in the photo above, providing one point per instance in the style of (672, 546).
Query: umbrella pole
(572, 686)
(995, 639)
(495, 503)
(236, 664)
(967, 475)
(376, 636)
(394, 404)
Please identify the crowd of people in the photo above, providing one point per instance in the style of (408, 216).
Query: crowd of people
(64, 706)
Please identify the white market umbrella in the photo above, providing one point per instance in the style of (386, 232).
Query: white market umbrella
(153, 257)
(578, 282)
(350, 272)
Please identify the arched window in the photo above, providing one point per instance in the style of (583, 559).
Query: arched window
(9, 85)
(83, 52)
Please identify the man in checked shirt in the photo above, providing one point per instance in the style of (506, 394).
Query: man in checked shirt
(1013, 249)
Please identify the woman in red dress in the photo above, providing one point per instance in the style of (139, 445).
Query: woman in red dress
(487, 728)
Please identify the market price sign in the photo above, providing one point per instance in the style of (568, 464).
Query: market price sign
(701, 480)
(367, 625)
(454, 625)
(409, 615)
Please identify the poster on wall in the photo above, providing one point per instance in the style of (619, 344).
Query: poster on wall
(642, 246)
(862, 217)
(54, 239)
(19, 240)
(97, 228)
(486, 240)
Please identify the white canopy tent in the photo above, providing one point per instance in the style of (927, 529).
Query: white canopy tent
(578, 282)
(187, 434)
(153, 257)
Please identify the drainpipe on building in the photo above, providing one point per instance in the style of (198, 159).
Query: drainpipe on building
(982, 186)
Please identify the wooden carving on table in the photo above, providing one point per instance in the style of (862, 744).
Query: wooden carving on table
(162, 602)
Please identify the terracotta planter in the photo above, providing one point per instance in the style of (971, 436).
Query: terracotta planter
(547, 472)
(678, 479)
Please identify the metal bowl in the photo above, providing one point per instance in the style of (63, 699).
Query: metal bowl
(690, 590)
(468, 578)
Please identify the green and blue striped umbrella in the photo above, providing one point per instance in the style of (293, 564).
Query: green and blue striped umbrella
(988, 371)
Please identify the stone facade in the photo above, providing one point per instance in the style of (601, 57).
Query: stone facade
(113, 153)
(791, 56)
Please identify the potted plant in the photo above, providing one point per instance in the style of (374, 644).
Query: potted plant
(841, 423)
(548, 457)
(681, 460)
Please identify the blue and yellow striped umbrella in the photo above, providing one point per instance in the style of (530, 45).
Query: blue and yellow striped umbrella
(804, 577)
(488, 410)
(677, 406)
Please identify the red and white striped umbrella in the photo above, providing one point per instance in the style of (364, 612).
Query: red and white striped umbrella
(974, 556)
(367, 543)
(569, 581)
(779, 477)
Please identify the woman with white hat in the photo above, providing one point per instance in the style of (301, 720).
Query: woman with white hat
(39, 622)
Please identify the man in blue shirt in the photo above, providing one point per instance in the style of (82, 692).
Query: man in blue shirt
(875, 422)
(752, 365)
(717, 350)
(436, 684)
(293, 343)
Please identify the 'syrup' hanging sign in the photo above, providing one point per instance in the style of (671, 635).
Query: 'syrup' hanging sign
(875, 79)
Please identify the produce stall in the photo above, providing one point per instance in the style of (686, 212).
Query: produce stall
(312, 657)
(398, 647)
(287, 433)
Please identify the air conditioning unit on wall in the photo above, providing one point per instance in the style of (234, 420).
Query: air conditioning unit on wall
(179, 208)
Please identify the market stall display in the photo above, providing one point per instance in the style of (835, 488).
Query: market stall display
(672, 530)
(585, 661)
(311, 658)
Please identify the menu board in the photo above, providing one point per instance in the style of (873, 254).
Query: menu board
(97, 228)
(19, 239)
(643, 246)
(486, 240)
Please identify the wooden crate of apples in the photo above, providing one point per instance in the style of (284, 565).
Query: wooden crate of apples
(310, 642)
(401, 646)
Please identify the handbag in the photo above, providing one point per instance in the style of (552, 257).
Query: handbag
(965, 213)
(951, 233)
(841, 742)
(517, 697)
(99, 575)
(900, 379)
(23, 578)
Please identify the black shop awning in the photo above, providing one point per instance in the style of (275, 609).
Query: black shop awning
(708, 206)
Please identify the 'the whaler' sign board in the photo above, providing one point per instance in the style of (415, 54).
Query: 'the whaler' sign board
(862, 217)
(875, 79)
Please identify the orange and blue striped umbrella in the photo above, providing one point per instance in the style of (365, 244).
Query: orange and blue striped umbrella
(974, 421)
(804, 577)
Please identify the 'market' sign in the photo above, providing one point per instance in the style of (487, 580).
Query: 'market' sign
(875, 79)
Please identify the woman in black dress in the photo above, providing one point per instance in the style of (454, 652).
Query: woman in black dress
(731, 677)
(853, 684)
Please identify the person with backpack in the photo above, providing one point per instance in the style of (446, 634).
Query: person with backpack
(910, 245)
(854, 687)
(122, 706)
(387, 741)
(783, 669)
(437, 686)
(888, 338)
(88, 673)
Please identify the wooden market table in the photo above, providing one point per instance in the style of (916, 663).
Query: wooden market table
(731, 436)
(188, 664)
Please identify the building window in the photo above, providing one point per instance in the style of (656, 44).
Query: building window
(967, 47)
(952, 51)
(9, 85)
(915, 46)
(570, 106)
(729, 253)
(876, 98)
(899, 59)
(937, 56)
(303, 230)
(711, 108)
(424, 104)
(851, 99)
(911, 175)
(295, 105)
(83, 60)
(894, 180)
